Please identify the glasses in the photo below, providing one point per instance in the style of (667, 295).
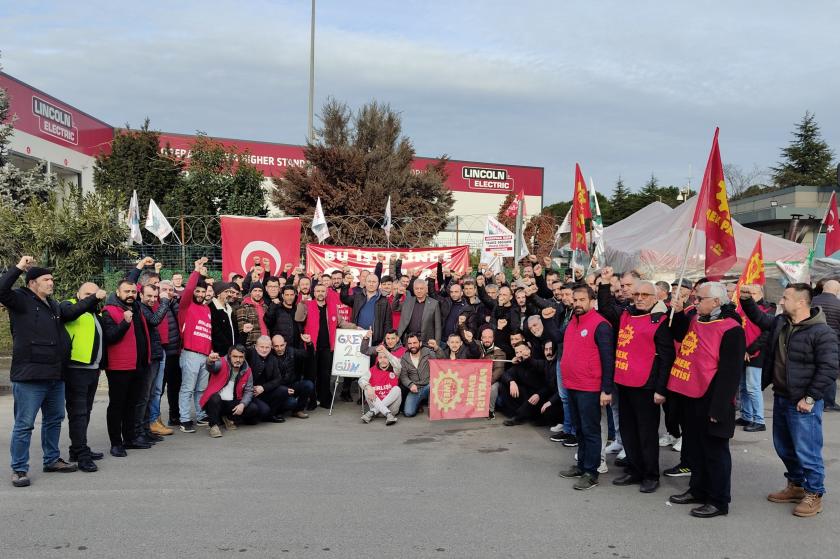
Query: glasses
(700, 298)
(642, 295)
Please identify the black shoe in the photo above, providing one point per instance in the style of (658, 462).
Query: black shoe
(311, 406)
(708, 511)
(174, 422)
(834, 407)
(560, 437)
(514, 421)
(684, 499)
(627, 479)
(138, 444)
(87, 466)
(96, 455)
(649, 485)
(680, 470)
(187, 427)
(118, 452)
(60, 466)
(571, 441)
(151, 438)
(491, 415)
(754, 427)
(276, 419)
(742, 422)
(345, 396)
(621, 462)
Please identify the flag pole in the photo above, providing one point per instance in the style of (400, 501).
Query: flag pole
(682, 271)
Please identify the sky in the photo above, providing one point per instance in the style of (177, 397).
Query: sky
(624, 88)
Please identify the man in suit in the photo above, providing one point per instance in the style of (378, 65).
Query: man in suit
(420, 313)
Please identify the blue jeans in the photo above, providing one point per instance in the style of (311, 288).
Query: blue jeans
(568, 426)
(798, 439)
(44, 395)
(585, 408)
(194, 377)
(752, 401)
(413, 400)
(157, 391)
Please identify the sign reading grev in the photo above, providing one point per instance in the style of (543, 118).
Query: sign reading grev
(55, 121)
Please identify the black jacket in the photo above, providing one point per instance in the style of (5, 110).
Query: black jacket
(530, 376)
(758, 348)
(381, 311)
(224, 332)
(281, 320)
(264, 370)
(830, 306)
(173, 345)
(40, 344)
(812, 353)
(290, 365)
(153, 319)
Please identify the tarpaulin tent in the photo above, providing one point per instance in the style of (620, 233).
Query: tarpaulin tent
(653, 239)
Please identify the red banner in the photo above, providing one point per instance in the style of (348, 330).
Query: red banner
(580, 211)
(326, 258)
(244, 238)
(459, 389)
(832, 227)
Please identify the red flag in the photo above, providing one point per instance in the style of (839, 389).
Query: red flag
(246, 237)
(753, 273)
(832, 227)
(580, 211)
(711, 214)
(512, 210)
(459, 389)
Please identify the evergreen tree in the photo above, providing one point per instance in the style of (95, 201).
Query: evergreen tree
(807, 160)
(621, 201)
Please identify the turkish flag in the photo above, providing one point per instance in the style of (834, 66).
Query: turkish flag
(832, 227)
(244, 238)
(711, 214)
(459, 388)
(580, 211)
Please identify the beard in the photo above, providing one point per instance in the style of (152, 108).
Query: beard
(414, 350)
(128, 300)
(579, 311)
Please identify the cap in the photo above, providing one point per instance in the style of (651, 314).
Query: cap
(35, 272)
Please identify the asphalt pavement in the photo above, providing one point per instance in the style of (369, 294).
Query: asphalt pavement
(334, 487)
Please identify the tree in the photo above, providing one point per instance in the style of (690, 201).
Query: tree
(539, 233)
(738, 179)
(621, 201)
(560, 209)
(18, 187)
(357, 162)
(72, 237)
(807, 160)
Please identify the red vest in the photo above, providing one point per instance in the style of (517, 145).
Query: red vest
(395, 316)
(219, 380)
(382, 381)
(697, 361)
(313, 321)
(635, 350)
(122, 355)
(580, 365)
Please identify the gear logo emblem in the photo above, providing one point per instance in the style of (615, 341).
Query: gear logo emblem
(625, 335)
(689, 344)
(448, 390)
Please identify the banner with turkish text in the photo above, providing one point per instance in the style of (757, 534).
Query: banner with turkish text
(326, 258)
(246, 238)
(460, 388)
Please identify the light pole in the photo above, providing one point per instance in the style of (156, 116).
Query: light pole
(311, 131)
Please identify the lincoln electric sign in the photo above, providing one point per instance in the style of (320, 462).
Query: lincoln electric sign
(55, 121)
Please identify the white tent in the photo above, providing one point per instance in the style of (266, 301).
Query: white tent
(653, 239)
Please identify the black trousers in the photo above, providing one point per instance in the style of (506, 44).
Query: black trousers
(79, 391)
(124, 389)
(141, 410)
(272, 402)
(707, 456)
(672, 416)
(323, 376)
(519, 407)
(172, 386)
(638, 420)
(216, 408)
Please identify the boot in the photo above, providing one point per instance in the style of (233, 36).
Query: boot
(790, 494)
(158, 428)
(810, 505)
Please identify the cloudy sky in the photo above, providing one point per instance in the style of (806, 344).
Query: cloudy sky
(625, 88)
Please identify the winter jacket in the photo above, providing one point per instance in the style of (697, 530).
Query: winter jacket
(40, 344)
(290, 365)
(86, 343)
(173, 337)
(154, 317)
(381, 312)
(129, 344)
(811, 352)
(264, 370)
(251, 312)
(220, 372)
(224, 327)
(419, 375)
(281, 320)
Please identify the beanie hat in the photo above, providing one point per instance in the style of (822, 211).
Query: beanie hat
(35, 272)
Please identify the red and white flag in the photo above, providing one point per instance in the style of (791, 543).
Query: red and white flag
(246, 237)
(513, 209)
(832, 227)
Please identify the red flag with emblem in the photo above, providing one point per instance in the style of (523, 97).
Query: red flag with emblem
(711, 214)
(832, 227)
(753, 273)
(580, 212)
(514, 205)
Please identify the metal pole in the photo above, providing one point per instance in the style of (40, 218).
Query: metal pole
(682, 271)
(517, 249)
(183, 248)
(311, 131)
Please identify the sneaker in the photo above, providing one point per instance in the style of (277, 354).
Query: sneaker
(614, 447)
(677, 447)
(174, 423)
(559, 437)
(570, 442)
(586, 481)
(215, 432)
(667, 440)
(187, 427)
(368, 416)
(557, 428)
(792, 493)
(230, 424)
(679, 470)
(810, 505)
(491, 415)
(20, 479)
(61, 466)
(602, 469)
(390, 419)
(202, 422)
(572, 472)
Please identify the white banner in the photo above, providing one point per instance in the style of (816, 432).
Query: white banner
(348, 361)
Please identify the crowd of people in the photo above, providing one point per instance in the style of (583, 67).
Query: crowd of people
(600, 358)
